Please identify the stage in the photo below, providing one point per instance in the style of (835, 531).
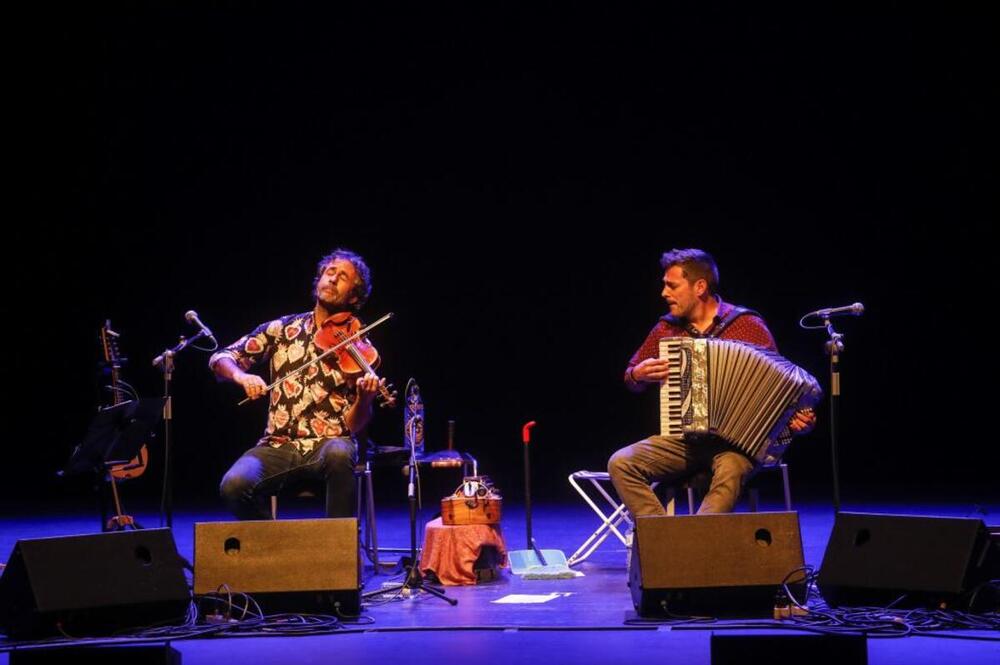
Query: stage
(512, 179)
(584, 621)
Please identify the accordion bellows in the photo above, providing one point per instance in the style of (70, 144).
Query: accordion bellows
(738, 391)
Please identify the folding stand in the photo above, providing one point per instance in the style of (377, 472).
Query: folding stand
(609, 521)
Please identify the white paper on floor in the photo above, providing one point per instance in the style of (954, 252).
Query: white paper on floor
(529, 598)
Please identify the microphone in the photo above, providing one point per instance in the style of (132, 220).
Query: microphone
(857, 309)
(192, 317)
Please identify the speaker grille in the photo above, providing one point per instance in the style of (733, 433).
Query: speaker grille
(727, 564)
(281, 555)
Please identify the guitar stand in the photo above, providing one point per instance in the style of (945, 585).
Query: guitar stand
(119, 521)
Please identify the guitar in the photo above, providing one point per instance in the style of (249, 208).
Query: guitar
(113, 361)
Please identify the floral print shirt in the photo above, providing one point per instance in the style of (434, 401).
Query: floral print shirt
(305, 409)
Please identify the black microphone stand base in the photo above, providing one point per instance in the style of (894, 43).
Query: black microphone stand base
(414, 584)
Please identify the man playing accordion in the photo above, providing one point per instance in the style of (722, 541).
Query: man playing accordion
(690, 287)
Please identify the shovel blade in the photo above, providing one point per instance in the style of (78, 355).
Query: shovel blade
(522, 560)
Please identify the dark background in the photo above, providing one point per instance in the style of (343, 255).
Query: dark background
(512, 177)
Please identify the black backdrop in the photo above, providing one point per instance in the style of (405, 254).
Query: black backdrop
(512, 178)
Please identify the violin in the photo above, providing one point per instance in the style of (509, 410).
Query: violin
(355, 358)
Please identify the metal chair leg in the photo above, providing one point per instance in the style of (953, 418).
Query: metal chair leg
(753, 493)
(366, 511)
(788, 490)
(371, 528)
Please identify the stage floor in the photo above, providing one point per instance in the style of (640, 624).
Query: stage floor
(583, 622)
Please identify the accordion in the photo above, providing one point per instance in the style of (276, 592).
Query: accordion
(738, 391)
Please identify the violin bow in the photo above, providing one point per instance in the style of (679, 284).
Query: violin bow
(332, 349)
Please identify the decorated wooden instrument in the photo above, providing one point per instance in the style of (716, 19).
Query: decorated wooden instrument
(476, 501)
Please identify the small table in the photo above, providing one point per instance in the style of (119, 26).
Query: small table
(451, 552)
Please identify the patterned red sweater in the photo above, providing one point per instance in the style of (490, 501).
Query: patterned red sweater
(745, 328)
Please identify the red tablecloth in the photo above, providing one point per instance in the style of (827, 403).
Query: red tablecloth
(450, 551)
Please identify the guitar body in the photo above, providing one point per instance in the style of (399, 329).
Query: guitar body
(133, 468)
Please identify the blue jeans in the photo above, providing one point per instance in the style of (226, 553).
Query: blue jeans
(263, 471)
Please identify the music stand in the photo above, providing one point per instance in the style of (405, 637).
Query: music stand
(114, 438)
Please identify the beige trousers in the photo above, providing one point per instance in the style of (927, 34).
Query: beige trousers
(672, 459)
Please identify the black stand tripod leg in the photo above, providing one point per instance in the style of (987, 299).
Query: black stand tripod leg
(414, 582)
(434, 591)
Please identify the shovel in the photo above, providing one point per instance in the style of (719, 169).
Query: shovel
(534, 562)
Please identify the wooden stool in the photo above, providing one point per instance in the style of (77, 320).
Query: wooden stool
(466, 554)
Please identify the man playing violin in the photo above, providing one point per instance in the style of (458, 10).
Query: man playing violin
(311, 415)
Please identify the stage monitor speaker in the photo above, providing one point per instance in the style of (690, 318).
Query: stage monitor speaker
(286, 565)
(740, 647)
(718, 565)
(93, 584)
(122, 654)
(907, 560)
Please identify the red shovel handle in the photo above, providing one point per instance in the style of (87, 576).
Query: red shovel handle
(526, 432)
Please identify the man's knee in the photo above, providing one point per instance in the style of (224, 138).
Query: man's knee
(243, 476)
(732, 467)
(235, 487)
(338, 455)
(618, 464)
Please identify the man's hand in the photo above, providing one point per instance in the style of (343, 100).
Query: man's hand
(360, 413)
(368, 386)
(252, 384)
(650, 370)
(803, 421)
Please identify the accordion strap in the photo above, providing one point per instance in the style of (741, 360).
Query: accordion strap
(735, 313)
(718, 328)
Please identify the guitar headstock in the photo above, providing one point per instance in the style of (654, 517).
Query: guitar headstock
(109, 345)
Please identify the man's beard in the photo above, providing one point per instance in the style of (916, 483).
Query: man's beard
(334, 305)
(681, 313)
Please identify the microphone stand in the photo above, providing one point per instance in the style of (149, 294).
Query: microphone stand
(165, 361)
(834, 347)
(414, 579)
